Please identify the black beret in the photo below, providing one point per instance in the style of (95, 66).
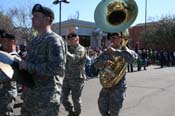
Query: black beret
(45, 10)
(71, 35)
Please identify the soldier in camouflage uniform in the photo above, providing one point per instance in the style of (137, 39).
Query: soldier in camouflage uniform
(46, 62)
(8, 89)
(111, 99)
(75, 75)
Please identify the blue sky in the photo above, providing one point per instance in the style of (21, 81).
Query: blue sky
(155, 8)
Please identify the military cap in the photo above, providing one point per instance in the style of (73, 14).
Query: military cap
(45, 10)
(9, 36)
(72, 35)
(113, 34)
(2, 33)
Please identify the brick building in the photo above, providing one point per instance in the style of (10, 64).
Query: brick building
(136, 36)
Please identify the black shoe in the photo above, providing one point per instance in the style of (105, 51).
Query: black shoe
(71, 113)
(77, 115)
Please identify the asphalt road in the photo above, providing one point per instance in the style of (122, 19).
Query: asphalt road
(150, 92)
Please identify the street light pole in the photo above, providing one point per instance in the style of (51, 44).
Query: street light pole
(60, 3)
(145, 15)
(60, 19)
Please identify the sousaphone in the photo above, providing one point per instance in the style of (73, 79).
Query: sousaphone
(115, 15)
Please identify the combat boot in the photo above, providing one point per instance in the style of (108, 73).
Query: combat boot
(71, 113)
(76, 114)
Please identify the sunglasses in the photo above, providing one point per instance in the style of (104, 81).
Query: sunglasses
(71, 37)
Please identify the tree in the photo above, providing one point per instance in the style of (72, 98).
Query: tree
(75, 16)
(161, 34)
(6, 23)
(22, 21)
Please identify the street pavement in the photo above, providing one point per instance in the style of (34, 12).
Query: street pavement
(150, 92)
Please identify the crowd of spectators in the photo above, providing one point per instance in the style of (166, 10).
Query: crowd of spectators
(146, 57)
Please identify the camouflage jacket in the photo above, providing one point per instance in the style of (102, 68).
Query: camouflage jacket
(75, 65)
(9, 88)
(46, 60)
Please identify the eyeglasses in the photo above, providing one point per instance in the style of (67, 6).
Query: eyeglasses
(114, 37)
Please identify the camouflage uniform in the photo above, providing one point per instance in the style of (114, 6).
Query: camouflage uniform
(111, 99)
(46, 62)
(74, 79)
(8, 92)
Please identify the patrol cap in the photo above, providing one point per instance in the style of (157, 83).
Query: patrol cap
(72, 35)
(45, 10)
(113, 34)
(9, 36)
(2, 33)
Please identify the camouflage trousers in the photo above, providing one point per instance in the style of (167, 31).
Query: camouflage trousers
(110, 101)
(73, 88)
(40, 103)
(6, 105)
(50, 109)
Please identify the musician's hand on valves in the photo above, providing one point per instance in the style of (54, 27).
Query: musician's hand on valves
(108, 63)
(111, 50)
(22, 65)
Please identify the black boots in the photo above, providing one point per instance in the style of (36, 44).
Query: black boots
(71, 113)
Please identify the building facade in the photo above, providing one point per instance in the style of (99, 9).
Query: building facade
(136, 35)
(90, 35)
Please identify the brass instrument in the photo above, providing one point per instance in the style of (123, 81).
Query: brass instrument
(111, 75)
(115, 16)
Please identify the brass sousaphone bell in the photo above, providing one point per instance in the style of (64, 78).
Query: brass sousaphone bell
(115, 15)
